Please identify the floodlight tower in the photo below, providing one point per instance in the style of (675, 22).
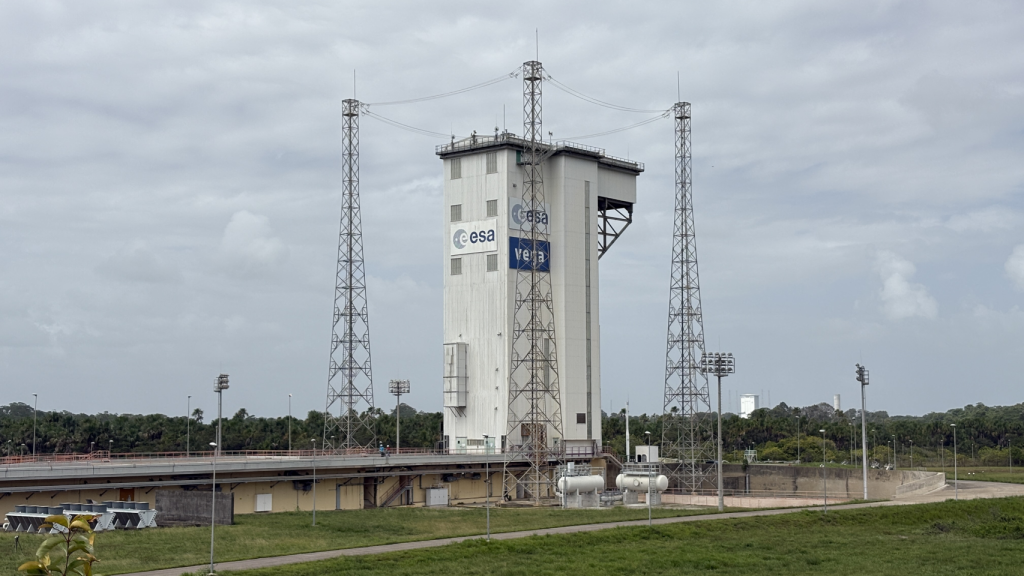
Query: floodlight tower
(350, 380)
(863, 377)
(398, 387)
(534, 405)
(686, 435)
(720, 365)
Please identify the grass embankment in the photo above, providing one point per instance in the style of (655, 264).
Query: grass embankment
(984, 473)
(966, 537)
(260, 535)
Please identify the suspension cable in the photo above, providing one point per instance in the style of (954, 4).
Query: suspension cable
(595, 101)
(407, 127)
(664, 114)
(502, 78)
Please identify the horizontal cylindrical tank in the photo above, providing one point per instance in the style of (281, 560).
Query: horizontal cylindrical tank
(581, 483)
(639, 483)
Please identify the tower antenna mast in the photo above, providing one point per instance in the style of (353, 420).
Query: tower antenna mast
(534, 405)
(687, 432)
(350, 379)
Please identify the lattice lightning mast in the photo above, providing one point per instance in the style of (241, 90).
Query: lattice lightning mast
(350, 380)
(534, 406)
(687, 434)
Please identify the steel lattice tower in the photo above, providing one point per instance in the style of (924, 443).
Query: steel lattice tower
(686, 431)
(534, 406)
(350, 381)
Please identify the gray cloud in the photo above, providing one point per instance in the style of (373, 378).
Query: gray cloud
(901, 298)
(169, 176)
(1015, 267)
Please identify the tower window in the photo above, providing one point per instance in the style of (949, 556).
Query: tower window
(456, 266)
(456, 212)
(581, 417)
(492, 162)
(492, 262)
(456, 168)
(492, 208)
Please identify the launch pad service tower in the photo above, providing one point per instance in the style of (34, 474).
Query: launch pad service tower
(588, 202)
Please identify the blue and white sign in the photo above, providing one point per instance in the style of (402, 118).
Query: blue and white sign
(526, 255)
(472, 237)
(519, 218)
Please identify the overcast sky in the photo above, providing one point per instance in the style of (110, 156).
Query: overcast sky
(169, 192)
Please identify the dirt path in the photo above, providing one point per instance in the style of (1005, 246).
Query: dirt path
(968, 490)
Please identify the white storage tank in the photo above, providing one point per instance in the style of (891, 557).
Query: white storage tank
(580, 483)
(641, 483)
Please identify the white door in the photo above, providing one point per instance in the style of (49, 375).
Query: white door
(264, 502)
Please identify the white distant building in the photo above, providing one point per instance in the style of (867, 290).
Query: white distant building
(483, 186)
(836, 405)
(749, 403)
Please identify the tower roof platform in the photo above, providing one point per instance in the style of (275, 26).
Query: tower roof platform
(477, 143)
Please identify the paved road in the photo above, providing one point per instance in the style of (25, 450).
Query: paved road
(968, 490)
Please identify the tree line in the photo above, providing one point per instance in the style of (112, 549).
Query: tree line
(987, 435)
(64, 432)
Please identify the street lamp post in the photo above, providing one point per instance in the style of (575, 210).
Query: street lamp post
(188, 426)
(289, 423)
(213, 505)
(851, 442)
(487, 486)
(798, 459)
(911, 454)
(824, 472)
(313, 440)
(650, 480)
(956, 488)
(219, 386)
(895, 457)
(35, 409)
(110, 448)
(863, 377)
(398, 387)
(721, 365)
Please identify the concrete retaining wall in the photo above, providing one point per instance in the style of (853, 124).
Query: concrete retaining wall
(923, 485)
(745, 502)
(192, 507)
(843, 483)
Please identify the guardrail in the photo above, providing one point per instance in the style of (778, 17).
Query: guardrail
(106, 457)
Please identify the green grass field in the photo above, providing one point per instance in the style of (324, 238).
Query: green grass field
(976, 537)
(282, 533)
(985, 473)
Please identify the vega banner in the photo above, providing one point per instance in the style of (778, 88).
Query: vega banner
(524, 255)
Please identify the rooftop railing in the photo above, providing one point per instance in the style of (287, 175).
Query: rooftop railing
(478, 141)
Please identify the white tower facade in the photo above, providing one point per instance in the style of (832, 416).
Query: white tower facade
(589, 201)
(749, 403)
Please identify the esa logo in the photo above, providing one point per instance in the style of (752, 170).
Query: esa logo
(462, 239)
(520, 216)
